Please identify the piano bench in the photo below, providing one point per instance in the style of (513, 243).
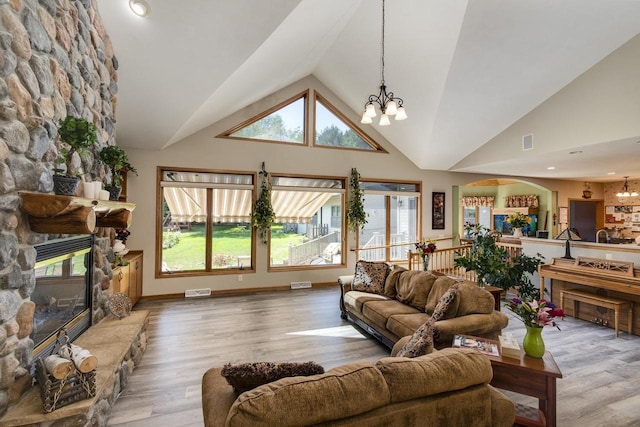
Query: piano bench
(614, 304)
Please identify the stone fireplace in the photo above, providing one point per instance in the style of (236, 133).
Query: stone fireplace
(56, 60)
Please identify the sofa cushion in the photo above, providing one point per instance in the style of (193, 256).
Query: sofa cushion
(406, 324)
(378, 312)
(354, 300)
(370, 276)
(246, 376)
(474, 300)
(420, 343)
(336, 394)
(441, 371)
(440, 286)
(413, 287)
(392, 280)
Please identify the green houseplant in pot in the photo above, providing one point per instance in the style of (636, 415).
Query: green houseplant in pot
(77, 135)
(493, 264)
(116, 159)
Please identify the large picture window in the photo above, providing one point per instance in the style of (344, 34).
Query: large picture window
(205, 222)
(393, 220)
(306, 233)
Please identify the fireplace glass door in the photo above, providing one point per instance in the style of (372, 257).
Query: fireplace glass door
(63, 289)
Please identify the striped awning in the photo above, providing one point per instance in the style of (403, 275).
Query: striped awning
(295, 200)
(234, 205)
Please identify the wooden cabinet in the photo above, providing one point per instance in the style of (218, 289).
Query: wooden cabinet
(128, 278)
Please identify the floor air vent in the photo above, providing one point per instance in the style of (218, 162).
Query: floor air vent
(300, 285)
(192, 293)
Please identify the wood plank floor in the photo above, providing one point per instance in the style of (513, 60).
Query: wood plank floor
(188, 336)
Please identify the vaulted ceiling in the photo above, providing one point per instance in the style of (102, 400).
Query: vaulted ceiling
(467, 70)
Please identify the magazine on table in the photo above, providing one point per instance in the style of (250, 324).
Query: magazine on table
(483, 345)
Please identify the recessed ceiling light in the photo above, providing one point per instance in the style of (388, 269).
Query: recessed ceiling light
(550, 168)
(611, 173)
(140, 7)
(575, 152)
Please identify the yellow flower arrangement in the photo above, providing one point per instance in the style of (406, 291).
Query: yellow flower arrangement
(518, 220)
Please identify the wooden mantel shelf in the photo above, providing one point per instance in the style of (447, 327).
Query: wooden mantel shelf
(50, 213)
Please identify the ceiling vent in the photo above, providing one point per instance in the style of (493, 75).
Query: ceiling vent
(527, 142)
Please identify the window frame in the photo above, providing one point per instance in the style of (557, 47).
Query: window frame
(305, 127)
(317, 97)
(208, 271)
(387, 203)
(343, 240)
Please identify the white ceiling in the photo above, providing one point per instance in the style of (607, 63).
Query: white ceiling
(466, 70)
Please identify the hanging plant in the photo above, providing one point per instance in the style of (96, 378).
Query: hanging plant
(263, 216)
(356, 215)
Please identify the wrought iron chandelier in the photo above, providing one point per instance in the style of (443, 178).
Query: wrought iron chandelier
(625, 190)
(389, 104)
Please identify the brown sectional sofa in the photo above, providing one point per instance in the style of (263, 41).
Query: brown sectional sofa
(407, 301)
(448, 387)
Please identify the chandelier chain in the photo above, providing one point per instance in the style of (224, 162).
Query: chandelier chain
(382, 59)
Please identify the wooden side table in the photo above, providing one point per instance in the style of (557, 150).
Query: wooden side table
(497, 295)
(531, 377)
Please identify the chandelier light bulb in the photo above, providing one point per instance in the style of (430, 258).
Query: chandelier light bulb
(401, 114)
(391, 109)
(384, 120)
(366, 119)
(370, 111)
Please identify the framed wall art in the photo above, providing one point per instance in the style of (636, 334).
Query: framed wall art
(437, 215)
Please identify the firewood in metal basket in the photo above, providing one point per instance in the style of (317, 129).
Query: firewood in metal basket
(82, 358)
(58, 366)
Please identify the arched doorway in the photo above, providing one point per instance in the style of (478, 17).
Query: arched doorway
(505, 193)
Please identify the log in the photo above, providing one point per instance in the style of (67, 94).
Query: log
(57, 366)
(78, 221)
(120, 219)
(81, 357)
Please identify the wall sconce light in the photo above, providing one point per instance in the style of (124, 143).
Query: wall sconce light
(139, 7)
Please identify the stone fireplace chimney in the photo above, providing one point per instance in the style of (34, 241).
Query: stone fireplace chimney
(56, 60)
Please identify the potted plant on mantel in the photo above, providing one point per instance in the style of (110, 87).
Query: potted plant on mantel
(78, 135)
(493, 264)
(116, 159)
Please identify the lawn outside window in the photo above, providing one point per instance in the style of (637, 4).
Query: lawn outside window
(205, 222)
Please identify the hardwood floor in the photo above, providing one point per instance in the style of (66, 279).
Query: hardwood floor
(188, 336)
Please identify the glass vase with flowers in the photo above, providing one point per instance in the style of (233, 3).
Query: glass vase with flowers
(535, 315)
(426, 248)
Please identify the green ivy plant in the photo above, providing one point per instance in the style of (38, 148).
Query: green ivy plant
(263, 215)
(116, 159)
(494, 266)
(356, 215)
(78, 135)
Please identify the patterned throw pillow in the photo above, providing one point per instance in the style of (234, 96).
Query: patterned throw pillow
(370, 277)
(420, 343)
(445, 302)
(247, 376)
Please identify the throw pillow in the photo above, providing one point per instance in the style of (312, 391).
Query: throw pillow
(446, 308)
(420, 343)
(247, 376)
(370, 277)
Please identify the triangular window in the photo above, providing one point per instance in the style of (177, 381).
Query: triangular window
(283, 123)
(334, 130)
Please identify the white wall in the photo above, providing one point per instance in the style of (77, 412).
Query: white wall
(204, 150)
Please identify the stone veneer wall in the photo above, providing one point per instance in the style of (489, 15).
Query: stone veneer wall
(56, 60)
